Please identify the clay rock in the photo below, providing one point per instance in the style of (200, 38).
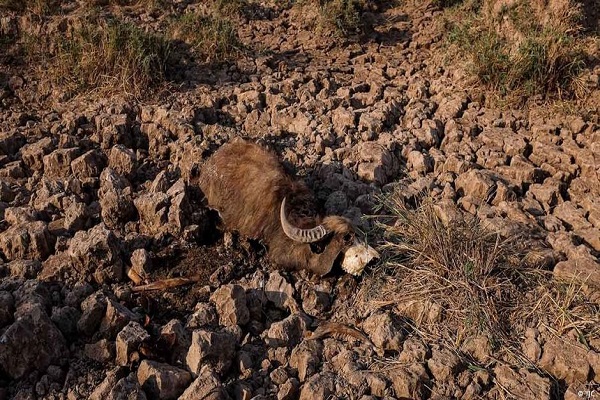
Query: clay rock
(31, 342)
(27, 269)
(523, 384)
(10, 142)
(97, 252)
(213, 348)
(384, 330)
(126, 388)
(93, 309)
(162, 381)
(288, 390)
(88, 165)
(65, 318)
(377, 163)
(206, 386)
(306, 358)
(103, 351)
(27, 240)
(122, 160)
(128, 341)
(565, 360)
(115, 318)
(583, 269)
(174, 332)
(288, 332)
(77, 217)
(419, 163)
(204, 315)
(115, 197)
(478, 347)
(230, 301)
(409, 381)
(316, 299)
(7, 308)
(112, 130)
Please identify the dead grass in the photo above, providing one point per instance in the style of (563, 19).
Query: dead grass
(109, 57)
(40, 7)
(212, 36)
(341, 17)
(515, 53)
(461, 280)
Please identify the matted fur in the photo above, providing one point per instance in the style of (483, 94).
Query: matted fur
(246, 184)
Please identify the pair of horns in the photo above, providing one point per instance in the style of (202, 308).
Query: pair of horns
(298, 234)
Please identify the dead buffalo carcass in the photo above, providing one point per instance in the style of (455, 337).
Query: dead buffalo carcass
(247, 185)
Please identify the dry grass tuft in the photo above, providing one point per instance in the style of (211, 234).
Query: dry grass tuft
(518, 50)
(109, 57)
(39, 7)
(460, 280)
(212, 36)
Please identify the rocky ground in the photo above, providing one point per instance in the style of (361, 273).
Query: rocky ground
(97, 195)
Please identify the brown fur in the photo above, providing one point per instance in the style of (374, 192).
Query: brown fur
(246, 184)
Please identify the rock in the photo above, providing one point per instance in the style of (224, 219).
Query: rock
(279, 291)
(205, 387)
(93, 309)
(384, 330)
(103, 351)
(573, 217)
(531, 346)
(58, 163)
(88, 165)
(377, 163)
(523, 384)
(175, 333)
(288, 332)
(230, 301)
(97, 252)
(579, 269)
(27, 240)
(141, 264)
(419, 163)
(115, 318)
(162, 381)
(316, 299)
(443, 364)
(306, 358)
(112, 377)
(76, 217)
(7, 308)
(115, 197)
(31, 342)
(213, 348)
(565, 360)
(126, 388)
(112, 130)
(122, 160)
(319, 386)
(128, 341)
(337, 203)
(204, 315)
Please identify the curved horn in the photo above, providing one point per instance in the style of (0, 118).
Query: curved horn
(298, 234)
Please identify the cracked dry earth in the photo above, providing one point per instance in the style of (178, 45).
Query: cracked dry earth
(93, 189)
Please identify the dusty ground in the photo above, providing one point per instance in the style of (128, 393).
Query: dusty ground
(94, 185)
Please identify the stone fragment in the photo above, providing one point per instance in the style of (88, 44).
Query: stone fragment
(230, 301)
(206, 386)
(128, 341)
(65, 318)
(33, 154)
(288, 390)
(477, 184)
(7, 308)
(213, 348)
(162, 381)
(32, 342)
(419, 163)
(27, 269)
(306, 358)
(443, 364)
(141, 265)
(408, 381)
(113, 376)
(581, 269)
(111, 130)
(318, 386)
(572, 216)
(122, 160)
(523, 384)
(97, 252)
(174, 332)
(478, 347)
(76, 217)
(153, 209)
(384, 330)
(377, 163)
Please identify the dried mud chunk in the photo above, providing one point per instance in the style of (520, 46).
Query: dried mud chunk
(306, 358)
(102, 351)
(31, 342)
(279, 291)
(29, 240)
(565, 360)
(206, 386)
(128, 341)
(115, 197)
(408, 381)
(93, 309)
(214, 348)
(443, 364)
(122, 160)
(112, 130)
(319, 386)
(115, 318)
(384, 330)
(58, 163)
(11, 142)
(153, 209)
(97, 252)
(230, 301)
(523, 384)
(162, 381)
(7, 308)
(377, 163)
(288, 332)
(88, 165)
(477, 184)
